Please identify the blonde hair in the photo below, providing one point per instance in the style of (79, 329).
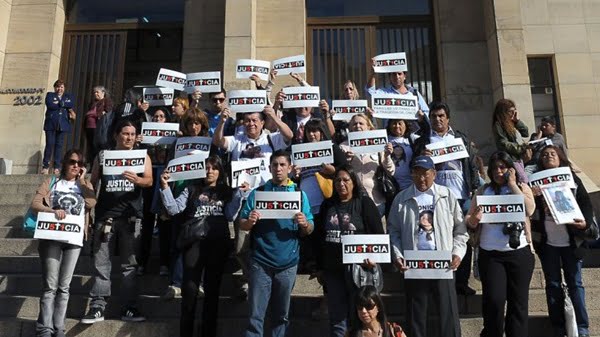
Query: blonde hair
(354, 90)
(183, 102)
(363, 116)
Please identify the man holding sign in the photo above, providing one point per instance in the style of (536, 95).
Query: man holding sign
(433, 212)
(275, 251)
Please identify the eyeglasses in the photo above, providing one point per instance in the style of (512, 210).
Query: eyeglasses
(73, 162)
(218, 100)
(369, 306)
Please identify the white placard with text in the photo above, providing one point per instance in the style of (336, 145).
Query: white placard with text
(158, 96)
(287, 65)
(502, 208)
(393, 106)
(300, 97)
(252, 167)
(245, 68)
(390, 63)
(185, 145)
(159, 133)
(277, 205)
(344, 109)
(116, 162)
(552, 176)
(171, 79)
(447, 150)
(69, 230)
(428, 264)
(207, 82)
(242, 101)
(371, 141)
(187, 167)
(312, 154)
(357, 248)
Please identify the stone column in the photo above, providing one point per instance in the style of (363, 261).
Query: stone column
(203, 36)
(240, 40)
(31, 60)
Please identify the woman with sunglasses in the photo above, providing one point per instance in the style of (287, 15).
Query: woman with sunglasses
(69, 194)
(559, 247)
(369, 318)
(349, 211)
(505, 258)
(206, 207)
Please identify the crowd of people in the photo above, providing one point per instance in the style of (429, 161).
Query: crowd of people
(201, 223)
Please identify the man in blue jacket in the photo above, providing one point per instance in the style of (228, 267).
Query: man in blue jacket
(274, 252)
(59, 112)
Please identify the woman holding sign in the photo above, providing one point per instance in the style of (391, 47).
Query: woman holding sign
(505, 258)
(68, 195)
(559, 247)
(366, 164)
(349, 211)
(204, 239)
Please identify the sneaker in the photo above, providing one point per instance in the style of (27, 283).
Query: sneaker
(163, 271)
(172, 292)
(200, 291)
(45, 170)
(131, 314)
(140, 271)
(94, 315)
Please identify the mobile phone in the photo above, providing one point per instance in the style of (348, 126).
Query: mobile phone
(507, 175)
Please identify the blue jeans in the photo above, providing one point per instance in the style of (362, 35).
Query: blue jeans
(552, 258)
(339, 302)
(54, 143)
(266, 283)
(58, 263)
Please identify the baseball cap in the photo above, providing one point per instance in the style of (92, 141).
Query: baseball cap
(423, 162)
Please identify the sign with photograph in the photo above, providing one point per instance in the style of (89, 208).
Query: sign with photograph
(287, 65)
(171, 79)
(390, 63)
(116, 162)
(392, 106)
(207, 82)
(245, 68)
(428, 264)
(300, 97)
(371, 141)
(277, 205)
(158, 96)
(312, 154)
(242, 101)
(502, 208)
(159, 133)
(447, 150)
(357, 248)
(562, 203)
(69, 230)
(343, 110)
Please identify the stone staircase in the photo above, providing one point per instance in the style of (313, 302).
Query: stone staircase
(20, 287)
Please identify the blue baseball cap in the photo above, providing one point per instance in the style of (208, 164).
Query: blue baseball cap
(423, 162)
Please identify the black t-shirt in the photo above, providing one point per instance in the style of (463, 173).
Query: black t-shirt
(118, 198)
(209, 202)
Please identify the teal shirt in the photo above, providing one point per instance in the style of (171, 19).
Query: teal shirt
(275, 241)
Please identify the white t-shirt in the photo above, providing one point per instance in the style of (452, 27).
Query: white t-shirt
(450, 174)
(425, 241)
(66, 195)
(556, 235)
(492, 237)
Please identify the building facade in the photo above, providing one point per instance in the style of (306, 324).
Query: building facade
(543, 54)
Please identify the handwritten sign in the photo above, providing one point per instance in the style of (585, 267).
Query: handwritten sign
(116, 162)
(288, 65)
(171, 79)
(428, 264)
(187, 167)
(185, 145)
(552, 176)
(69, 230)
(393, 106)
(277, 205)
(159, 133)
(206, 81)
(371, 141)
(312, 154)
(447, 150)
(344, 109)
(502, 208)
(245, 68)
(158, 96)
(357, 248)
(243, 101)
(300, 97)
(390, 63)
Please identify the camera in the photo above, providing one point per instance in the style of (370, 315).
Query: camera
(513, 230)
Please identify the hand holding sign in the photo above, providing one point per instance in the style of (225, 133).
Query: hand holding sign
(60, 214)
(253, 218)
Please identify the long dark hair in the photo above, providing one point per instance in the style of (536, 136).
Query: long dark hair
(315, 124)
(223, 190)
(507, 160)
(365, 296)
(358, 188)
(562, 157)
(67, 157)
(502, 116)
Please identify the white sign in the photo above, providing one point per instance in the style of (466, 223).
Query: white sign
(562, 203)
(242, 101)
(118, 161)
(185, 145)
(252, 181)
(69, 230)
(390, 63)
(393, 106)
(357, 248)
(159, 133)
(535, 141)
(288, 65)
(447, 150)
(252, 167)
(158, 96)
(206, 82)
(344, 109)
(245, 68)
(277, 205)
(300, 97)
(187, 167)
(371, 141)
(502, 208)
(312, 154)
(171, 79)
(428, 264)
(552, 176)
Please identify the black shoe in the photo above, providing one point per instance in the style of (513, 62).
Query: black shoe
(132, 315)
(465, 290)
(94, 315)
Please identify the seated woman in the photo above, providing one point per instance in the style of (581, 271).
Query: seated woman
(369, 316)
(558, 247)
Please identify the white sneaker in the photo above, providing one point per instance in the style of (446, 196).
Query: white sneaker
(172, 292)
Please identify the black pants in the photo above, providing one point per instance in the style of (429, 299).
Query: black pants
(208, 256)
(147, 229)
(443, 293)
(91, 151)
(505, 278)
(464, 270)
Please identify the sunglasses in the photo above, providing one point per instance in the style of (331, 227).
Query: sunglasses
(219, 100)
(73, 162)
(369, 306)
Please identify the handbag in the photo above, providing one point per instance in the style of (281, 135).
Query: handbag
(30, 217)
(326, 185)
(361, 276)
(191, 231)
(570, 319)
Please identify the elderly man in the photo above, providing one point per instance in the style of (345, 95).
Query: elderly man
(427, 216)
